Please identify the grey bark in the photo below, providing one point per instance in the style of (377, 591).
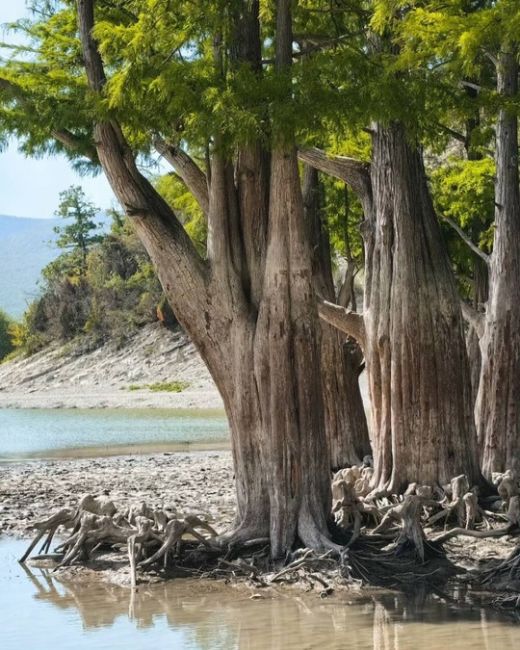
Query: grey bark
(249, 308)
(341, 359)
(498, 400)
(411, 330)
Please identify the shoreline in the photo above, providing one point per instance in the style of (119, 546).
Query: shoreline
(110, 397)
(197, 482)
(111, 451)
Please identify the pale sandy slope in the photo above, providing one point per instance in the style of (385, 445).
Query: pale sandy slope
(57, 377)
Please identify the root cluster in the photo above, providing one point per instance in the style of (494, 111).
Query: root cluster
(385, 539)
(151, 536)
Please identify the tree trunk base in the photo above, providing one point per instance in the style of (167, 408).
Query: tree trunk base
(381, 542)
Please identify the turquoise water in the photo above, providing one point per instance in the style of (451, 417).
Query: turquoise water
(41, 610)
(42, 432)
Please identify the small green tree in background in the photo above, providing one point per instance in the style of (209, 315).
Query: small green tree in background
(6, 344)
(81, 234)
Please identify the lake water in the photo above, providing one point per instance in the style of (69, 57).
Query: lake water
(40, 610)
(26, 433)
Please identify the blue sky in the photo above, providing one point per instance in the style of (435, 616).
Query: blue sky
(28, 187)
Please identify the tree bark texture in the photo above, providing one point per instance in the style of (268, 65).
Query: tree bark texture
(249, 308)
(411, 331)
(418, 371)
(498, 401)
(341, 358)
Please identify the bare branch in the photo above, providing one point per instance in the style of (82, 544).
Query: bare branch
(473, 317)
(470, 84)
(492, 57)
(345, 296)
(353, 172)
(467, 240)
(74, 143)
(346, 321)
(454, 134)
(188, 170)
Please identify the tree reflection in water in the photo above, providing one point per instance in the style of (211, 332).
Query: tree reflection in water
(216, 616)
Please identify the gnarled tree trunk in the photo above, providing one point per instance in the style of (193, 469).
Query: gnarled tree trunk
(411, 330)
(415, 350)
(498, 400)
(249, 308)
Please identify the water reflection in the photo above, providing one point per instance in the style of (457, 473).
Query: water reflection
(213, 616)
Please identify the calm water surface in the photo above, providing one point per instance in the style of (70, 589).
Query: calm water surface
(45, 432)
(39, 610)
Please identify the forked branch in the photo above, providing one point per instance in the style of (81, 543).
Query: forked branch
(480, 253)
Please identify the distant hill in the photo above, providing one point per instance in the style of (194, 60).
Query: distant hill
(25, 248)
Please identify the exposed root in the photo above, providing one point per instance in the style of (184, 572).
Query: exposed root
(378, 538)
(481, 534)
(150, 535)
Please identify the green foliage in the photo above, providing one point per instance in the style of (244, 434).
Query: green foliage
(162, 387)
(172, 70)
(28, 335)
(6, 342)
(343, 215)
(115, 293)
(463, 191)
(186, 208)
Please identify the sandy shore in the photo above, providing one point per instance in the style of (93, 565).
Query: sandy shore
(111, 376)
(196, 482)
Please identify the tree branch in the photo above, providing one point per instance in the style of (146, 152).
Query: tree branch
(470, 84)
(454, 134)
(351, 171)
(467, 240)
(346, 321)
(65, 137)
(74, 143)
(473, 318)
(181, 269)
(345, 296)
(188, 170)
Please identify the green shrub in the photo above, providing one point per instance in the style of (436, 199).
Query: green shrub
(6, 342)
(107, 295)
(162, 387)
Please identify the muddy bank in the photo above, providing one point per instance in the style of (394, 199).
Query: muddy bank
(111, 377)
(197, 482)
(189, 483)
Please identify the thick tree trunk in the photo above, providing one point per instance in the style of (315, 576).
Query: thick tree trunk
(411, 331)
(287, 370)
(341, 360)
(417, 366)
(250, 308)
(498, 401)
